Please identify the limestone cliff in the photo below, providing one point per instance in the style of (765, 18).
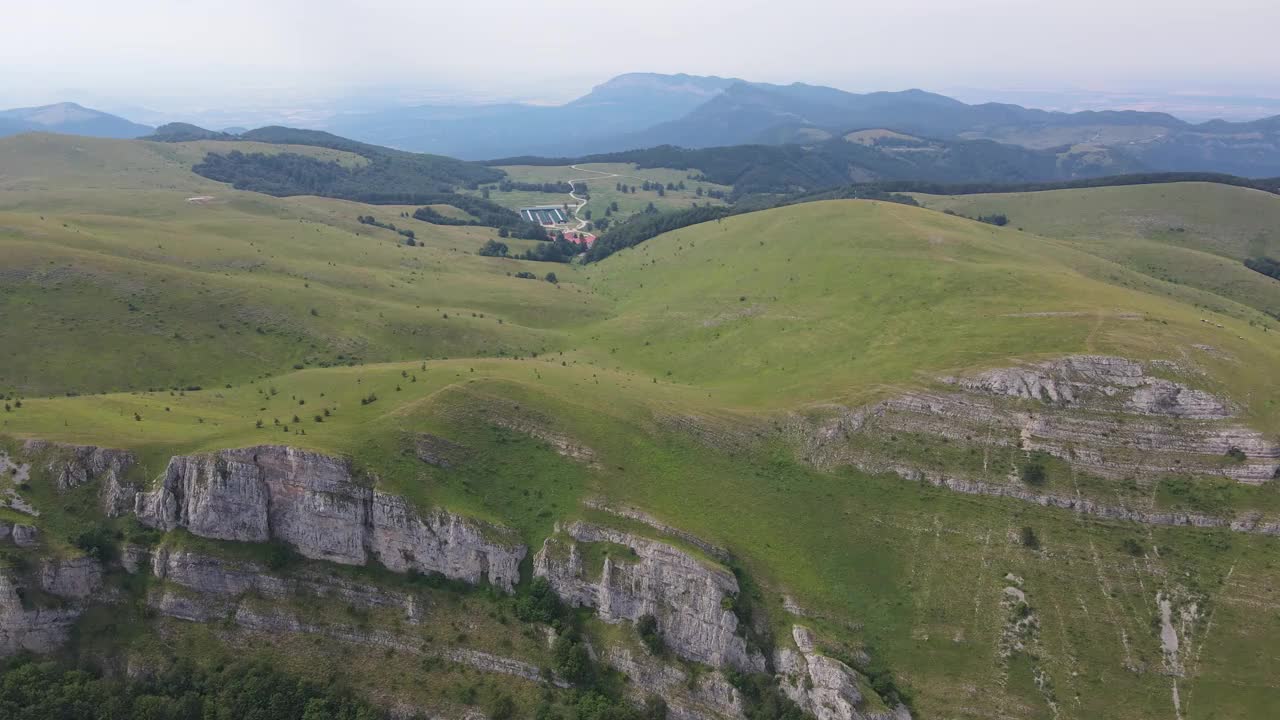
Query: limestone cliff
(71, 466)
(690, 599)
(314, 503)
(37, 612)
(1105, 417)
(822, 686)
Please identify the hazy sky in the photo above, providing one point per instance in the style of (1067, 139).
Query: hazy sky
(156, 53)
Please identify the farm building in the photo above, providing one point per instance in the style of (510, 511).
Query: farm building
(544, 214)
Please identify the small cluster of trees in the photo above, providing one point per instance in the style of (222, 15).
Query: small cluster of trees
(371, 220)
(1265, 265)
(493, 248)
(552, 188)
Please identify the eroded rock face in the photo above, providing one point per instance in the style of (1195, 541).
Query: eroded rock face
(203, 588)
(707, 697)
(71, 466)
(221, 581)
(689, 599)
(1107, 417)
(73, 579)
(19, 534)
(314, 503)
(76, 465)
(40, 627)
(1091, 379)
(822, 686)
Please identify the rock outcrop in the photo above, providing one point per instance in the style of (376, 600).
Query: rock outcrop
(32, 622)
(1090, 380)
(1106, 417)
(690, 599)
(708, 696)
(197, 587)
(314, 503)
(19, 534)
(71, 466)
(822, 686)
(221, 583)
(72, 579)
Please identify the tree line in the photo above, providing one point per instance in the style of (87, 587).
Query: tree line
(483, 212)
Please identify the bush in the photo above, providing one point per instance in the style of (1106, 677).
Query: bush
(539, 604)
(551, 278)
(493, 248)
(1029, 538)
(649, 635)
(1236, 454)
(98, 543)
(1033, 473)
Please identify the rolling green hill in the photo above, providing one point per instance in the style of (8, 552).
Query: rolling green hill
(1189, 234)
(736, 387)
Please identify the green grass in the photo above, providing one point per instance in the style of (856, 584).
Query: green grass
(1188, 234)
(728, 327)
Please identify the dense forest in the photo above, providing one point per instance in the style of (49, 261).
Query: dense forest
(389, 177)
(241, 691)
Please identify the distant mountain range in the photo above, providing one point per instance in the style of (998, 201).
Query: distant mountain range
(647, 110)
(643, 110)
(70, 119)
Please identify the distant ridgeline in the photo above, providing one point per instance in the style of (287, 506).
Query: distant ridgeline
(915, 163)
(390, 177)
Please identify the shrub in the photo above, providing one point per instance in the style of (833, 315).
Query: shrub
(1029, 538)
(97, 543)
(1236, 454)
(493, 248)
(649, 635)
(1033, 473)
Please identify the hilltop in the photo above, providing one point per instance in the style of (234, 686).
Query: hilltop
(68, 118)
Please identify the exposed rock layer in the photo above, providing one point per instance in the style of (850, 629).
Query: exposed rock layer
(689, 599)
(315, 504)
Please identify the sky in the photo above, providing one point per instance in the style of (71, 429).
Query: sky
(179, 53)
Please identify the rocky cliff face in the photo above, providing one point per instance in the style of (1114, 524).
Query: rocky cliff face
(314, 503)
(30, 621)
(689, 599)
(822, 686)
(709, 696)
(71, 466)
(1106, 417)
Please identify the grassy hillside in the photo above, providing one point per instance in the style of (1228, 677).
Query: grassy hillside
(164, 290)
(1189, 234)
(842, 299)
(664, 377)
